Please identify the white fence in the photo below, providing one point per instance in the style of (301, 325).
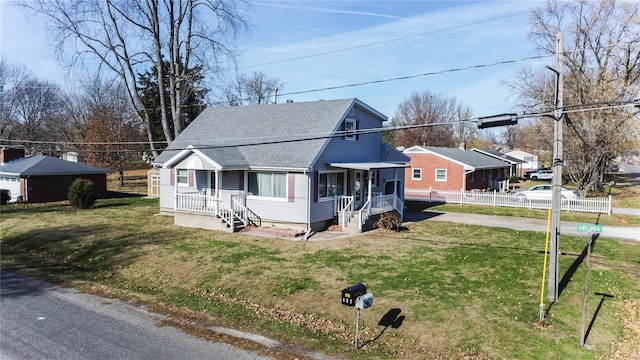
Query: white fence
(589, 205)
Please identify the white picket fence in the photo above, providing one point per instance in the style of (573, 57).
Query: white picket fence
(601, 205)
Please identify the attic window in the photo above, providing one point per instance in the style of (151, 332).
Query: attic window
(350, 129)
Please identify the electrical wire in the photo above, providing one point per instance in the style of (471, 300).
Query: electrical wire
(242, 142)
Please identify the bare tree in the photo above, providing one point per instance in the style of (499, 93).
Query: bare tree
(427, 119)
(602, 63)
(126, 36)
(464, 131)
(113, 129)
(252, 89)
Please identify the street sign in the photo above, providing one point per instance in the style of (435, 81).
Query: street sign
(592, 228)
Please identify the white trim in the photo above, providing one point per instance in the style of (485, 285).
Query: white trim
(286, 186)
(445, 175)
(353, 129)
(190, 149)
(344, 185)
(417, 178)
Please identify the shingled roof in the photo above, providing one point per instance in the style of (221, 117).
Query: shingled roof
(40, 165)
(473, 159)
(265, 135)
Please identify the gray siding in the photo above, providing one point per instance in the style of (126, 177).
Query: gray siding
(282, 210)
(367, 148)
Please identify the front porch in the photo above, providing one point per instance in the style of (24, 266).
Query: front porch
(195, 209)
(354, 220)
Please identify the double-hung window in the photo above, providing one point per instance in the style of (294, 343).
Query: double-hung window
(350, 129)
(268, 184)
(441, 174)
(416, 174)
(182, 177)
(331, 184)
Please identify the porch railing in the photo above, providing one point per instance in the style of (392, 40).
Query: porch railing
(200, 202)
(379, 205)
(344, 205)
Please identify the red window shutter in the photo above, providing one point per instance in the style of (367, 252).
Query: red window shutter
(241, 181)
(173, 176)
(291, 180)
(191, 175)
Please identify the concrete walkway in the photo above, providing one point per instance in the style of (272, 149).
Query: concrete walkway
(569, 228)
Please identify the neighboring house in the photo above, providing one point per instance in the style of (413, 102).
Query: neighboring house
(530, 160)
(515, 164)
(302, 166)
(42, 178)
(453, 169)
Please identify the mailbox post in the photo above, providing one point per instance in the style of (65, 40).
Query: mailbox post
(357, 295)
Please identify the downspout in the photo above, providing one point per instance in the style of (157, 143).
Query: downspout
(308, 232)
(464, 179)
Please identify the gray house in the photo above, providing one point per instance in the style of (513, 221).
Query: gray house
(302, 166)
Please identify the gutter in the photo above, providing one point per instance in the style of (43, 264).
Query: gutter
(308, 233)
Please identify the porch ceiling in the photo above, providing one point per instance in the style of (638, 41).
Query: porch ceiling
(368, 165)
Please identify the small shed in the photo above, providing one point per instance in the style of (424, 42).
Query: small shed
(44, 178)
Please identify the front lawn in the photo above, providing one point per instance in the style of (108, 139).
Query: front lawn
(448, 290)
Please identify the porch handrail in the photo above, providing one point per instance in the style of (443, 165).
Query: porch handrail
(198, 202)
(364, 215)
(345, 206)
(341, 202)
(242, 212)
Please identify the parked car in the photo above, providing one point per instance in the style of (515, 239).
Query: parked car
(615, 168)
(543, 192)
(630, 161)
(541, 175)
(527, 174)
(5, 196)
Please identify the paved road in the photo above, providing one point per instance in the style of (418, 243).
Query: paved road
(569, 228)
(41, 321)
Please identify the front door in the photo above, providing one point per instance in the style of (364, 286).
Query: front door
(360, 186)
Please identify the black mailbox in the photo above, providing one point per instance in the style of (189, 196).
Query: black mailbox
(350, 294)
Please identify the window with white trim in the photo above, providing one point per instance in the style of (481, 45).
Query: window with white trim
(416, 174)
(331, 184)
(441, 174)
(350, 129)
(182, 177)
(268, 184)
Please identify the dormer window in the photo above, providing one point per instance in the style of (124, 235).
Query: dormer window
(350, 129)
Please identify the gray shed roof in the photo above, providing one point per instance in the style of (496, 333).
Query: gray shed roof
(40, 165)
(471, 158)
(264, 135)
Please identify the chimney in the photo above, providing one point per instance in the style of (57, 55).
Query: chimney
(275, 95)
(289, 101)
(462, 146)
(10, 153)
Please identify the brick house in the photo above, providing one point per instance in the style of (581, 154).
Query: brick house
(453, 169)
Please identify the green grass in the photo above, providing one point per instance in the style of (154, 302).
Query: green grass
(461, 290)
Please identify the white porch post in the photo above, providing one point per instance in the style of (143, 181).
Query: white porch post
(175, 188)
(217, 176)
(369, 193)
(395, 190)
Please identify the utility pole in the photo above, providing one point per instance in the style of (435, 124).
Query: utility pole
(556, 200)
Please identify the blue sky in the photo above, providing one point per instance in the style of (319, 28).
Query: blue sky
(365, 41)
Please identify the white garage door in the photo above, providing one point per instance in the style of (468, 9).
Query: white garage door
(12, 184)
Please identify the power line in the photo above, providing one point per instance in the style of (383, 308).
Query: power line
(603, 105)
